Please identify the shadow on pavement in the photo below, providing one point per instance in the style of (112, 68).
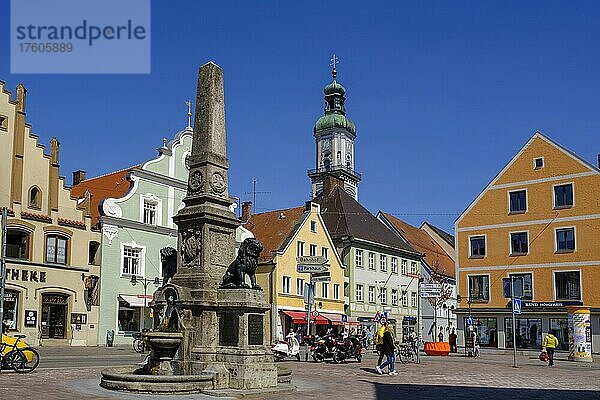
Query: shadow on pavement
(384, 391)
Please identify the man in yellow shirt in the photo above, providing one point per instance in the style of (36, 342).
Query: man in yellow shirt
(549, 344)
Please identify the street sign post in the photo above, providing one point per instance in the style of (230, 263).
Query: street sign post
(320, 278)
(312, 268)
(430, 290)
(311, 260)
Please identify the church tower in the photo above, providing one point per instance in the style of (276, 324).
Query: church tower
(334, 138)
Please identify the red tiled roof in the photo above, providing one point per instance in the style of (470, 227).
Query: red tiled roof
(274, 231)
(114, 184)
(420, 240)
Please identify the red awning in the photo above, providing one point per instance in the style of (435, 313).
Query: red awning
(336, 319)
(299, 317)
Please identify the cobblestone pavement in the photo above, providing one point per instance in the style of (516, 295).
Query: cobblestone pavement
(490, 377)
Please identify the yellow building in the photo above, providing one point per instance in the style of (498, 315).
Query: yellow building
(287, 234)
(539, 220)
(53, 266)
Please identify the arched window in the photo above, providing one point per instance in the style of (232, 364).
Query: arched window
(35, 198)
(17, 243)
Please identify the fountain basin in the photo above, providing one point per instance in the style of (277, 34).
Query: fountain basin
(163, 344)
(123, 379)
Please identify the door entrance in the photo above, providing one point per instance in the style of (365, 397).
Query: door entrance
(54, 316)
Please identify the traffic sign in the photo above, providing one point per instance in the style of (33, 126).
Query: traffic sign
(470, 320)
(315, 313)
(516, 303)
(312, 268)
(311, 260)
(315, 279)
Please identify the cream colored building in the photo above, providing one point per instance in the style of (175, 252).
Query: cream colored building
(52, 259)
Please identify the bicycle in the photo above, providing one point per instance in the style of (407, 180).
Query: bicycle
(407, 353)
(138, 343)
(21, 359)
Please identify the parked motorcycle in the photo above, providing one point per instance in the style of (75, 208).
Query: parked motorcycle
(323, 348)
(286, 348)
(349, 347)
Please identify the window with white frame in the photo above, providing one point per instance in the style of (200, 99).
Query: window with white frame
(325, 252)
(371, 260)
(413, 267)
(383, 262)
(404, 263)
(149, 212)
(150, 209)
(359, 258)
(132, 261)
(313, 226)
(394, 297)
(371, 294)
(383, 295)
(312, 249)
(563, 196)
(394, 265)
(287, 284)
(336, 291)
(404, 299)
(567, 285)
(300, 287)
(359, 293)
(299, 248)
(519, 243)
(477, 246)
(517, 201)
(413, 299)
(565, 240)
(325, 290)
(479, 287)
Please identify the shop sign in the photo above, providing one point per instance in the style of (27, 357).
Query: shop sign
(10, 297)
(25, 275)
(30, 318)
(550, 304)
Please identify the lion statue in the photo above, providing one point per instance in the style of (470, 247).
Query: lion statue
(244, 265)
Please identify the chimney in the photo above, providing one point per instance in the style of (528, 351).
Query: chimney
(246, 211)
(78, 176)
(330, 182)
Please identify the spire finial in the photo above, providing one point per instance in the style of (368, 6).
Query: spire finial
(334, 61)
(189, 114)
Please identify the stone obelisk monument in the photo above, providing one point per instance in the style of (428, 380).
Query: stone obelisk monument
(223, 328)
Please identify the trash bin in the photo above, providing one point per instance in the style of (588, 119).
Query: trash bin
(110, 337)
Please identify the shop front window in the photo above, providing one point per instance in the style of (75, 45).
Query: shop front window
(487, 330)
(561, 331)
(129, 317)
(11, 308)
(528, 333)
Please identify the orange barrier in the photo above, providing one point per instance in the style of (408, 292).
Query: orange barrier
(437, 348)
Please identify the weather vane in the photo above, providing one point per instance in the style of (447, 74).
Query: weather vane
(334, 61)
(189, 113)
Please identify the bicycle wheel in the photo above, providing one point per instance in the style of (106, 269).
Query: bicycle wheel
(402, 356)
(25, 360)
(138, 345)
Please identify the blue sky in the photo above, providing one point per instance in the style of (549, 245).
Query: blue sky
(443, 93)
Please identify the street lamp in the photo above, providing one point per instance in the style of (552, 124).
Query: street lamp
(145, 281)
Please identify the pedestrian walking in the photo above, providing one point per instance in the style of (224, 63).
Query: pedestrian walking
(441, 335)
(389, 349)
(452, 339)
(476, 344)
(550, 344)
(379, 342)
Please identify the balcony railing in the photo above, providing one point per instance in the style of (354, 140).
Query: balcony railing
(335, 169)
